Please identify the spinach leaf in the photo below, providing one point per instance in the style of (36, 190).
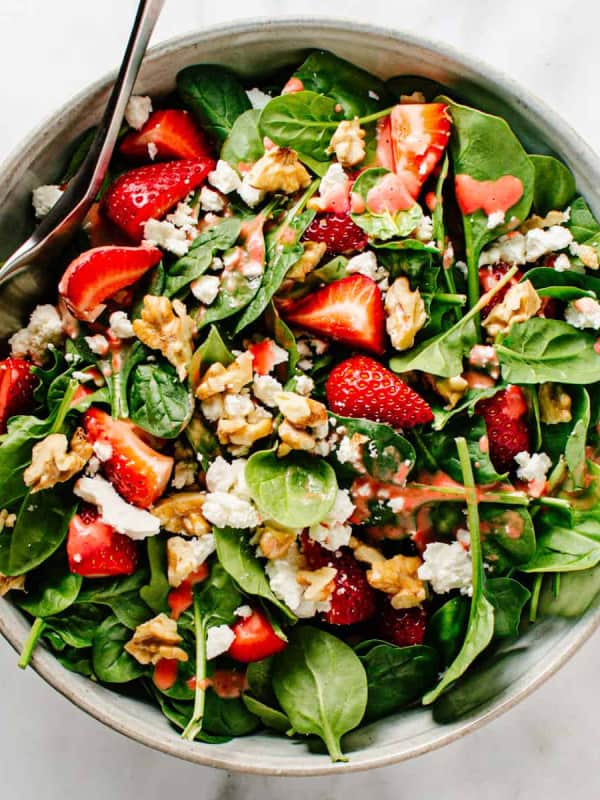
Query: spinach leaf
(386, 225)
(447, 627)
(295, 491)
(570, 438)
(576, 593)
(554, 186)
(228, 717)
(203, 441)
(542, 350)
(321, 685)
(582, 223)
(469, 401)
(508, 536)
(158, 401)
(15, 455)
(244, 144)
(283, 336)
(566, 542)
(77, 628)
(213, 350)
(214, 95)
(544, 279)
(509, 598)
(218, 597)
(112, 664)
(397, 676)
(154, 594)
(53, 590)
(270, 717)
(443, 448)
(238, 559)
(259, 677)
(443, 354)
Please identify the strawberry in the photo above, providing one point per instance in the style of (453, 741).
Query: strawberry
(139, 473)
(362, 387)
(255, 638)
(352, 600)
(505, 416)
(17, 383)
(165, 672)
(403, 626)
(489, 276)
(150, 191)
(173, 133)
(339, 232)
(96, 550)
(349, 311)
(97, 274)
(265, 356)
(182, 597)
(411, 141)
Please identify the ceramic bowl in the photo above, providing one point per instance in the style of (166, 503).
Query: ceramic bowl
(254, 49)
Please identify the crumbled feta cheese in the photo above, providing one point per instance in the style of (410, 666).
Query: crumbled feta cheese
(257, 98)
(210, 200)
(334, 178)
(216, 265)
(320, 346)
(304, 385)
(306, 363)
(137, 111)
(282, 574)
(463, 536)
(120, 326)
(252, 269)
(583, 313)
(206, 288)
(532, 467)
(44, 331)
(250, 194)
(243, 611)
(213, 408)
(152, 150)
(238, 405)
(516, 248)
(373, 95)
(44, 198)
(82, 377)
(495, 218)
(447, 567)
(219, 639)
(349, 451)
(331, 532)
(124, 518)
(366, 264)
(102, 450)
(226, 510)
(266, 388)
(562, 263)
(396, 504)
(224, 178)
(223, 476)
(161, 233)
(98, 344)
(424, 230)
(184, 217)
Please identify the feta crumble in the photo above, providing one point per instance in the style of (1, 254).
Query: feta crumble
(136, 523)
(226, 510)
(243, 611)
(152, 150)
(102, 450)
(331, 532)
(366, 264)
(210, 200)
(98, 344)
(206, 288)
(532, 467)
(219, 639)
(120, 326)
(516, 248)
(224, 178)
(137, 111)
(250, 194)
(495, 218)
(304, 385)
(265, 389)
(162, 233)
(447, 567)
(44, 198)
(44, 330)
(282, 574)
(583, 313)
(258, 99)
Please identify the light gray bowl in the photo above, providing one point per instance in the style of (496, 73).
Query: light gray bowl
(253, 49)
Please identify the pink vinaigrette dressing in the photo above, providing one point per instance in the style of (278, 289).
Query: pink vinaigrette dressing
(489, 196)
(390, 195)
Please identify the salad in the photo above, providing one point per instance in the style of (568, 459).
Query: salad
(308, 431)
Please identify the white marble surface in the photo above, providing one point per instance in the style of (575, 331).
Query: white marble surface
(547, 747)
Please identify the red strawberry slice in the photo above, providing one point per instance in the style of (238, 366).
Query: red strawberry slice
(353, 599)
(412, 140)
(97, 274)
(96, 550)
(403, 626)
(173, 133)
(255, 638)
(339, 232)
(139, 473)
(362, 387)
(489, 276)
(17, 383)
(165, 673)
(265, 356)
(150, 191)
(505, 416)
(349, 311)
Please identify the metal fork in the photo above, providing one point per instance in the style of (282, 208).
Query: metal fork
(66, 216)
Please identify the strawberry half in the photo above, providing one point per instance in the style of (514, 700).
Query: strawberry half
(489, 276)
(255, 638)
(362, 387)
(97, 274)
(411, 141)
(505, 416)
(96, 550)
(403, 627)
(150, 191)
(349, 311)
(173, 133)
(139, 473)
(338, 231)
(17, 383)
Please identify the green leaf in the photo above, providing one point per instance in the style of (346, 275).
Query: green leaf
(467, 404)
(218, 596)
(508, 536)
(387, 225)
(442, 447)
(244, 144)
(15, 455)
(447, 627)
(215, 96)
(566, 542)
(77, 628)
(321, 685)
(554, 186)
(228, 717)
(53, 590)
(509, 598)
(570, 438)
(443, 354)
(158, 401)
(577, 592)
(110, 661)
(582, 223)
(295, 491)
(270, 717)
(545, 278)
(213, 350)
(154, 594)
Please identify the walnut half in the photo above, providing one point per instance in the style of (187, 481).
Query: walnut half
(166, 326)
(520, 303)
(9, 583)
(348, 143)
(405, 314)
(52, 464)
(182, 513)
(279, 170)
(156, 639)
(395, 576)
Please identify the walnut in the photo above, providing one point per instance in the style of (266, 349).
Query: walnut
(320, 583)
(301, 413)
(449, 389)
(166, 326)
(293, 438)
(279, 170)
(587, 255)
(185, 556)
(520, 303)
(313, 253)
(275, 542)
(9, 583)
(156, 639)
(243, 432)
(414, 97)
(348, 143)
(552, 218)
(52, 464)
(218, 379)
(397, 576)
(182, 513)
(555, 404)
(364, 552)
(405, 314)
(300, 410)
(7, 520)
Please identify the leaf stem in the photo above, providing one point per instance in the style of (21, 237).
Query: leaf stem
(194, 726)
(535, 596)
(34, 636)
(64, 407)
(472, 515)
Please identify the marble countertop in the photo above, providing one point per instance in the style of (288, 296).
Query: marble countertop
(547, 746)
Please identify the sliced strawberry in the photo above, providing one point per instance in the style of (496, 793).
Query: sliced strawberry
(266, 355)
(96, 550)
(17, 383)
(150, 191)
(489, 276)
(255, 638)
(182, 597)
(139, 473)
(353, 599)
(362, 387)
(349, 311)
(165, 672)
(339, 232)
(97, 274)
(403, 626)
(173, 133)
(505, 416)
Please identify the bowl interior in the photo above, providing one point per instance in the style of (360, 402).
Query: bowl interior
(255, 49)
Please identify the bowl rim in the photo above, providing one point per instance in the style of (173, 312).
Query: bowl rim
(44, 662)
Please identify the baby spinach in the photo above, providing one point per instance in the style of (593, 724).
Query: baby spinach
(509, 598)
(213, 350)
(577, 591)
(443, 415)
(542, 350)
(582, 223)
(154, 594)
(158, 401)
(77, 627)
(507, 536)
(397, 676)
(283, 336)
(15, 455)
(570, 438)
(270, 717)
(244, 144)
(53, 590)
(554, 185)
(442, 446)
(386, 225)
(228, 717)
(546, 278)
(214, 95)
(295, 491)
(111, 663)
(447, 627)
(566, 542)
(321, 685)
